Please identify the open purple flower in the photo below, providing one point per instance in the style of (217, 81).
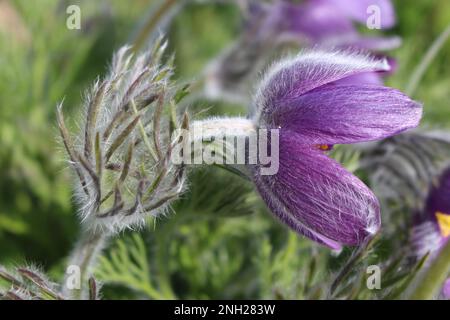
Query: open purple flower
(432, 227)
(303, 98)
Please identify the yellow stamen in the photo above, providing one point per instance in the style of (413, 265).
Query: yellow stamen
(324, 147)
(444, 223)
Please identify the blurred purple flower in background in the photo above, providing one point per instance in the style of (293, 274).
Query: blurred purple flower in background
(432, 226)
(304, 98)
(358, 9)
(311, 23)
(329, 22)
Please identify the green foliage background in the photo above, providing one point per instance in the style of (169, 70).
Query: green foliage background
(220, 242)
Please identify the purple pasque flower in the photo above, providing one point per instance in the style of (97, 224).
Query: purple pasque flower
(331, 23)
(324, 22)
(431, 231)
(432, 227)
(270, 25)
(303, 98)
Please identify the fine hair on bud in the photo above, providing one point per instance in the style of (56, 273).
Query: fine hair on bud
(120, 157)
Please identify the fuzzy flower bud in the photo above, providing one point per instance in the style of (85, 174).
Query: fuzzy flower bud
(120, 156)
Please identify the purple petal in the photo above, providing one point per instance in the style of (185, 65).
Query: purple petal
(446, 289)
(426, 239)
(437, 208)
(291, 78)
(358, 10)
(318, 198)
(307, 23)
(373, 78)
(322, 22)
(337, 114)
(439, 196)
(314, 21)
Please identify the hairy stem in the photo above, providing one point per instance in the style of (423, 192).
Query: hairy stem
(211, 128)
(83, 258)
(219, 135)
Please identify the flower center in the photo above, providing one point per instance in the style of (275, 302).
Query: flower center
(443, 221)
(324, 147)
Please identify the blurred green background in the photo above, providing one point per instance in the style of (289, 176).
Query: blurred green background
(219, 246)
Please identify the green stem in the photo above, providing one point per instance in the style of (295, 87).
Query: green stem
(84, 256)
(151, 23)
(426, 61)
(431, 282)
